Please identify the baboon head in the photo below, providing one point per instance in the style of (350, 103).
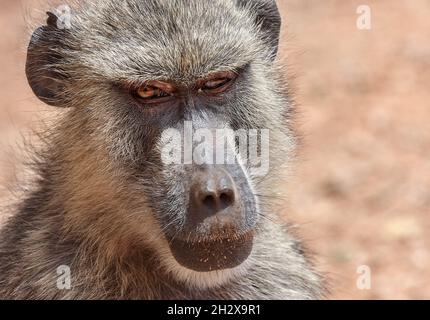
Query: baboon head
(135, 73)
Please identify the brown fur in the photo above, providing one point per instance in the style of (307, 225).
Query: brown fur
(99, 200)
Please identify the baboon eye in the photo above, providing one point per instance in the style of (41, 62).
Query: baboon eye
(146, 92)
(154, 92)
(218, 83)
(215, 84)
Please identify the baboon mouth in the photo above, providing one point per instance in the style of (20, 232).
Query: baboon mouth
(204, 256)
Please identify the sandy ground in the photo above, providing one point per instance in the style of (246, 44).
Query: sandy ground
(361, 192)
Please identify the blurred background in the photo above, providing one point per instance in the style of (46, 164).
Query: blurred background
(361, 188)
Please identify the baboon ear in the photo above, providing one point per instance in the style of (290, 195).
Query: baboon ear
(43, 60)
(268, 18)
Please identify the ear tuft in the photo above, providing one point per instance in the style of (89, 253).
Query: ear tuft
(52, 19)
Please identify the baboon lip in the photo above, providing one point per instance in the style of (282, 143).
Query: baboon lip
(205, 256)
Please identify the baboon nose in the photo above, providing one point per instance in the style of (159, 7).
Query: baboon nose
(212, 192)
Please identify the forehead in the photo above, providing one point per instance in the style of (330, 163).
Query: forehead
(166, 39)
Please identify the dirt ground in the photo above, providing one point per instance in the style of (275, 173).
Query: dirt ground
(361, 190)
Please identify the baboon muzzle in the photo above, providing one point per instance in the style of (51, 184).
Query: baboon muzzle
(220, 219)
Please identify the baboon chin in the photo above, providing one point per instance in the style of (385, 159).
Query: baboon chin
(158, 181)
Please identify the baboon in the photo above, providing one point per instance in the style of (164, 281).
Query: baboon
(107, 206)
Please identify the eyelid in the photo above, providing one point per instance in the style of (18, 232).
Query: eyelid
(225, 78)
(217, 82)
(162, 93)
(160, 85)
(149, 92)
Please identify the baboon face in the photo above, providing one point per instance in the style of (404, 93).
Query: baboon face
(136, 70)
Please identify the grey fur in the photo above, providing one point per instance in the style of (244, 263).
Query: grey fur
(92, 208)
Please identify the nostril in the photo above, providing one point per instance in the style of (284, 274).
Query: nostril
(210, 202)
(226, 199)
